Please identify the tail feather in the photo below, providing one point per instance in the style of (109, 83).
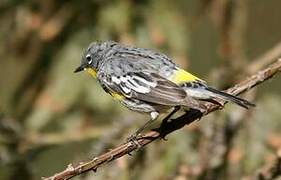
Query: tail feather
(228, 97)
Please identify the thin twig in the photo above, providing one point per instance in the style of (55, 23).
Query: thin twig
(167, 128)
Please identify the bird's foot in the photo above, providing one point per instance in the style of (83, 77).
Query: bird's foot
(134, 139)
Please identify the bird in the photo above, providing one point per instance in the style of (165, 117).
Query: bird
(148, 81)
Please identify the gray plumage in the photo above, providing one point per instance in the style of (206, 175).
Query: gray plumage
(119, 66)
(142, 78)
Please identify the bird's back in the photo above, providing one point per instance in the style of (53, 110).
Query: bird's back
(126, 59)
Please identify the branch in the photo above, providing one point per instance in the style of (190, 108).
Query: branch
(165, 128)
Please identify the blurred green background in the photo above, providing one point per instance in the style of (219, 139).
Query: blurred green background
(50, 117)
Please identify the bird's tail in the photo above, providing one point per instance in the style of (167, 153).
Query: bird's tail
(228, 97)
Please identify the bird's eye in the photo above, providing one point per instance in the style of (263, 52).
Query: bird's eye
(89, 59)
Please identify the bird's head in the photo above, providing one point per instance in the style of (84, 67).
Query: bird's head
(93, 56)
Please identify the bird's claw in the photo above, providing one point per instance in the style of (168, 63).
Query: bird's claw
(133, 138)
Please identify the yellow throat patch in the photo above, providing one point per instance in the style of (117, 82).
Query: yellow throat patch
(92, 72)
(181, 76)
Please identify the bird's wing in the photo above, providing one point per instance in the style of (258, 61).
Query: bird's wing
(145, 86)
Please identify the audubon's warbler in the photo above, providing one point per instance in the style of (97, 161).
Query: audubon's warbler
(147, 81)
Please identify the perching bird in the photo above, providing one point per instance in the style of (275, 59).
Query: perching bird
(147, 81)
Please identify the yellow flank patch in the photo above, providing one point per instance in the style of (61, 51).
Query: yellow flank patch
(116, 96)
(92, 72)
(181, 76)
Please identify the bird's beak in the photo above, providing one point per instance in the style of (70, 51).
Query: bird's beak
(80, 68)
